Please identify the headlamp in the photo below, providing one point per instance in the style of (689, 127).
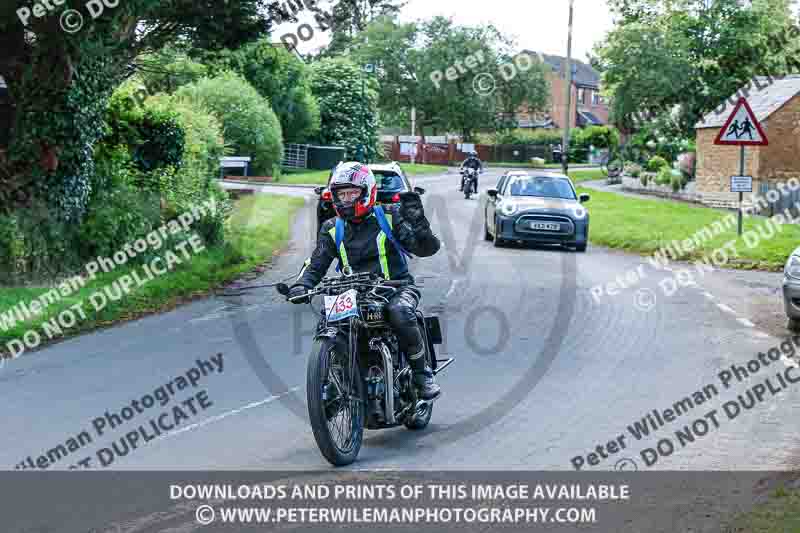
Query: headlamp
(792, 268)
(508, 208)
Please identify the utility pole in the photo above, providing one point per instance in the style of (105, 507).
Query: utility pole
(565, 147)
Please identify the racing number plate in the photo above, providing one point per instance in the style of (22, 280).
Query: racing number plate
(547, 226)
(341, 306)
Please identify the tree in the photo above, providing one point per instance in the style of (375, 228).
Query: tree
(168, 69)
(348, 118)
(521, 82)
(60, 77)
(689, 55)
(400, 69)
(282, 78)
(250, 125)
(351, 17)
(412, 63)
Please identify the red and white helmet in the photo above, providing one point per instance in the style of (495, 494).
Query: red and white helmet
(349, 175)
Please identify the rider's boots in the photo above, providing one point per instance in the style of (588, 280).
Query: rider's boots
(423, 377)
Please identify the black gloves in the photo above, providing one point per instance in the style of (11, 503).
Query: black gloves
(298, 290)
(412, 211)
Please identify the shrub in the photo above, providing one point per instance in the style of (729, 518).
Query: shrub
(632, 169)
(656, 163)
(117, 217)
(153, 136)
(36, 246)
(664, 176)
(646, 177)
(250, 125)
(113, 168)
(597, 136)
(211, 227)
(12, 248)
(677, 182)
(521, 136)
(204, 146)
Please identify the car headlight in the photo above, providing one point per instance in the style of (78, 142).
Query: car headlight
(579, 211)
(792, 268)
(508, 208)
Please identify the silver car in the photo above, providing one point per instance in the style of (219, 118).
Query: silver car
(537, 207)
(791, 289)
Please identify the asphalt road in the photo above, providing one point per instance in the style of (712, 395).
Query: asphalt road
(544, 372)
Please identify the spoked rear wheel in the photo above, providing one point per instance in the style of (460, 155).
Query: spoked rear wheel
(335, 403)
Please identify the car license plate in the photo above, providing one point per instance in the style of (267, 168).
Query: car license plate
(547, 226)
(341, 306)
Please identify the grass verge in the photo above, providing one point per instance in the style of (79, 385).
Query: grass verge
(259, 226)
(645, 226)
(780, 514)
(578, 176)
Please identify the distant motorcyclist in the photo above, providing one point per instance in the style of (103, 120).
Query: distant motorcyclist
(365, 247)
(472, 161)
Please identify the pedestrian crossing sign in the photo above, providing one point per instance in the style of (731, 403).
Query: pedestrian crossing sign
(742, 128)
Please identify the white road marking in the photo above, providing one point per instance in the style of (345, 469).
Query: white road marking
(745, 322)
(453, 285)
(789, 362)
(708, 295)
(229, 413)
(726, 309)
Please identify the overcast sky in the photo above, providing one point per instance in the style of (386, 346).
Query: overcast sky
(538, 25)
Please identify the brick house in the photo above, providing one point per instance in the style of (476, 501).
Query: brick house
(587, 106)
(776, 104)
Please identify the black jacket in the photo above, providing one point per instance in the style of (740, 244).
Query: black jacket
(472, 162)
(361, 244)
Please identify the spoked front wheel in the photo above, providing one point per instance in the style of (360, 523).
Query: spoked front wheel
(335, 403)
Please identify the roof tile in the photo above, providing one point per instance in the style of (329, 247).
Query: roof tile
(764, 98)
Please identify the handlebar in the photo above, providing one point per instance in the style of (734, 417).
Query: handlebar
(360, 279)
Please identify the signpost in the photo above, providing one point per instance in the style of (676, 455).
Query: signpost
(741, 129)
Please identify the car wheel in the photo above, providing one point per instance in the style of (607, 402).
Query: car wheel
(581, 247)
(498, 242)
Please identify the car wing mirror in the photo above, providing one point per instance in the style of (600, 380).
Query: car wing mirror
(492, 193)
(419, 190)
(318, 190)
(584, 198)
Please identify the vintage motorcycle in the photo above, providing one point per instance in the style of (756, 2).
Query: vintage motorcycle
(469, 179)
(357, 377)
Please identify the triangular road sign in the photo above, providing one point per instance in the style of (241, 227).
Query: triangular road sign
(742, 128)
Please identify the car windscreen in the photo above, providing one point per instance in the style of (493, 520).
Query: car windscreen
(541, 186)
(389, 181)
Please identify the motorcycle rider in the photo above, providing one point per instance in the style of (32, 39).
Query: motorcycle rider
(472, 161)
(364, 248)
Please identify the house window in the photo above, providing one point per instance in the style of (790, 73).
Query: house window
(581, 96)
(596, 100)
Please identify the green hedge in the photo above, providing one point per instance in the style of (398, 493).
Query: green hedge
(251, 127)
